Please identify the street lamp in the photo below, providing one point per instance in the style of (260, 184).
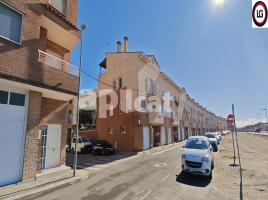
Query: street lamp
(83, 27)
(265, 110)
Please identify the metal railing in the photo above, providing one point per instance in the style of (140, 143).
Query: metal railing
(52, 61)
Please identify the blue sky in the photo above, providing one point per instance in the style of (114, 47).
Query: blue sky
(209, 49)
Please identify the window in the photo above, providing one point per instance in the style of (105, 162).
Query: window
(11, 24)
(60, 5)
(142, 105)
(123, 130)
(3, 97)
(114, 85)
(110, 131)
(120, 83)
(17, 99)
(149, 86)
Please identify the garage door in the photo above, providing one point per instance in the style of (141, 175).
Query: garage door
(12, 124)
(146, 138)
(164, 137)
(169, 136)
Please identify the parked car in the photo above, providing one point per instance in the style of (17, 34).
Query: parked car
(212, 138)
(225, 132)
(84, 145)
(257, 130)
(198, 156)
(218, 136)
(103, 147)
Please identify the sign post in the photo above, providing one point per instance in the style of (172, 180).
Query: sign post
(230, 122)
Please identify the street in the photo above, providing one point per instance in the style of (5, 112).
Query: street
(157, 175)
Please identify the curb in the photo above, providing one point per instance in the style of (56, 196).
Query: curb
(32, 193)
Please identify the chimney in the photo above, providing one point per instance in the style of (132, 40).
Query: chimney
(118, 46)
(125, 44)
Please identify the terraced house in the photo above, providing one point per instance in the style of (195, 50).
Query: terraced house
(37, 85)
(136, 120)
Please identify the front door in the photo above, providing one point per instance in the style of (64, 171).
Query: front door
(51, 140)
(163, 136)
(146, 138)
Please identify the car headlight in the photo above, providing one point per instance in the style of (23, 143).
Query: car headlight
(204, 159)
(183, 156)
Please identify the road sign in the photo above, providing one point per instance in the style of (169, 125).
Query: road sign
(230, 119)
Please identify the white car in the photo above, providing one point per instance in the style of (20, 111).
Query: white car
(212, 138)
(84, 145)
(198, 156)
(218, 135)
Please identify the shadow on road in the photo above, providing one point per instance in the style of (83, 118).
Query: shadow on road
(88, 160)
(193, 180)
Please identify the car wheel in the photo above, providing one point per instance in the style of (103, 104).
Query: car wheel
(212, 166)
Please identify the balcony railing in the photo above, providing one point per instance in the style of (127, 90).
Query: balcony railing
(52, 61)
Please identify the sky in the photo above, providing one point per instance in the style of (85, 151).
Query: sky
(208, 48)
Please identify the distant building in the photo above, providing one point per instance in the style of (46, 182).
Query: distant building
(88, 100)
(87, 107)
(138, 82)
(252, 128)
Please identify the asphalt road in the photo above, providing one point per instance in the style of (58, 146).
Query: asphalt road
(156, 176)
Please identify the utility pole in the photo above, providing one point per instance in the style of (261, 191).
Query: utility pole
(238, 152)
(83, 27)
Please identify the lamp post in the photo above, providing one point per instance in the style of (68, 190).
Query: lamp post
(83, 27)
(265, 110)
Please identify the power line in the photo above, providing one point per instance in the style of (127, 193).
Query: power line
(105, 83)
(97, 76)
(97, 79)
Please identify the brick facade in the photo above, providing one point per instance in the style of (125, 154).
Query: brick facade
(134, 122)
(20, 62)
(42, 111)
(31, 149)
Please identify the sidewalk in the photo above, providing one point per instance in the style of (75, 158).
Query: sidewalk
(50, 179)
(63, 175)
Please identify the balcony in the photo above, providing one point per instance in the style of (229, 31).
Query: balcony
(52, 61)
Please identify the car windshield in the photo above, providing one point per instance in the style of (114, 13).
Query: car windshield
(85, 139)
(196, 144)
(210, 135)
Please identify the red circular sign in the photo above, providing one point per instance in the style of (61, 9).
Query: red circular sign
(230, 119)
(259, 13)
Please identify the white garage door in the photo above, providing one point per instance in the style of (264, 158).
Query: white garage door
(146, 138)
(12, 125)
(169, 136)
(164, 137)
